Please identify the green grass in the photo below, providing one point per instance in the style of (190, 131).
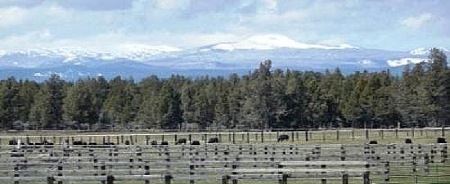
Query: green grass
(357, 136)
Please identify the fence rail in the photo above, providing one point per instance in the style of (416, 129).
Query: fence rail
(338, 136)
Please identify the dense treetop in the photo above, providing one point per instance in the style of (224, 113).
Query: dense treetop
(263, 99)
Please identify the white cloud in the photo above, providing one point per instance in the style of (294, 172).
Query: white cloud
(417, 22)
(11, 16)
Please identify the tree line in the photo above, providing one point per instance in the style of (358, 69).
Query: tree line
(262, 99)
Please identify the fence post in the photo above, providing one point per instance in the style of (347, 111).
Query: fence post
(284, 178)
(345, 178)
(306, 135)
(50, 180)
(234, 173)
(444, 154)
(248, 137)
(396, 133)
(443, 131)
(234, 142)
(16, 173)
(281, 180)
(366, 177)
(337, 135)
(191, 173)
(167, 179)
(225, 179)
(343, 152)
(323, 136)
(367, 134)
(110, 179)
(386, 172)
(60, 171)
(262, 136)
(147, 172)
(426, 163)
(293, 136)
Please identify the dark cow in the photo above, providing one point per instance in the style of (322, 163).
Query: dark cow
(373, 142)
(441, 140)
(213, 140)
(408, 141)
(195, 143)
(283, 137)
(48, 144)
(12, 142)
(154, 143)
(164, 143)
(181, 141)
(78, 143)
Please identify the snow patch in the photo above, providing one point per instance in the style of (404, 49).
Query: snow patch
(405, 61)
(366, 62)
(38, 74)
(425, 51)
(420, 51)
(268, 42)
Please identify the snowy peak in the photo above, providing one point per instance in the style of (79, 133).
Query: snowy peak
(269, 42)
(143, 51)
(67, 54)
(420, 51)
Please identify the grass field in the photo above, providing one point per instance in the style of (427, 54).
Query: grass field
(346, 136)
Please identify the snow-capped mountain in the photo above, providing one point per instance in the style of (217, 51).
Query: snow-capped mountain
(270, 42)
(140, 60)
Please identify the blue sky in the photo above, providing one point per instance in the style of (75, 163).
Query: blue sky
(100, 24)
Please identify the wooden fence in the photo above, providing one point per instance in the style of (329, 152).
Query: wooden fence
(221, 162)
(338, 136)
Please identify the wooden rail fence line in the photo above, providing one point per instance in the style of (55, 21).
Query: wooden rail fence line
(224, 162)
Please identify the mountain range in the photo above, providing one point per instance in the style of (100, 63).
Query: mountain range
(139, 60)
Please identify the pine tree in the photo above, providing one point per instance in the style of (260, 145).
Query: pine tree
(170, 108)
(11, 103)
(148, 109)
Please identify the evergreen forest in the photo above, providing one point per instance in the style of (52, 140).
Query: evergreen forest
(265, 98)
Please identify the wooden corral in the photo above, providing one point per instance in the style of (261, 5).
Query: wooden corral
(225, 163)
